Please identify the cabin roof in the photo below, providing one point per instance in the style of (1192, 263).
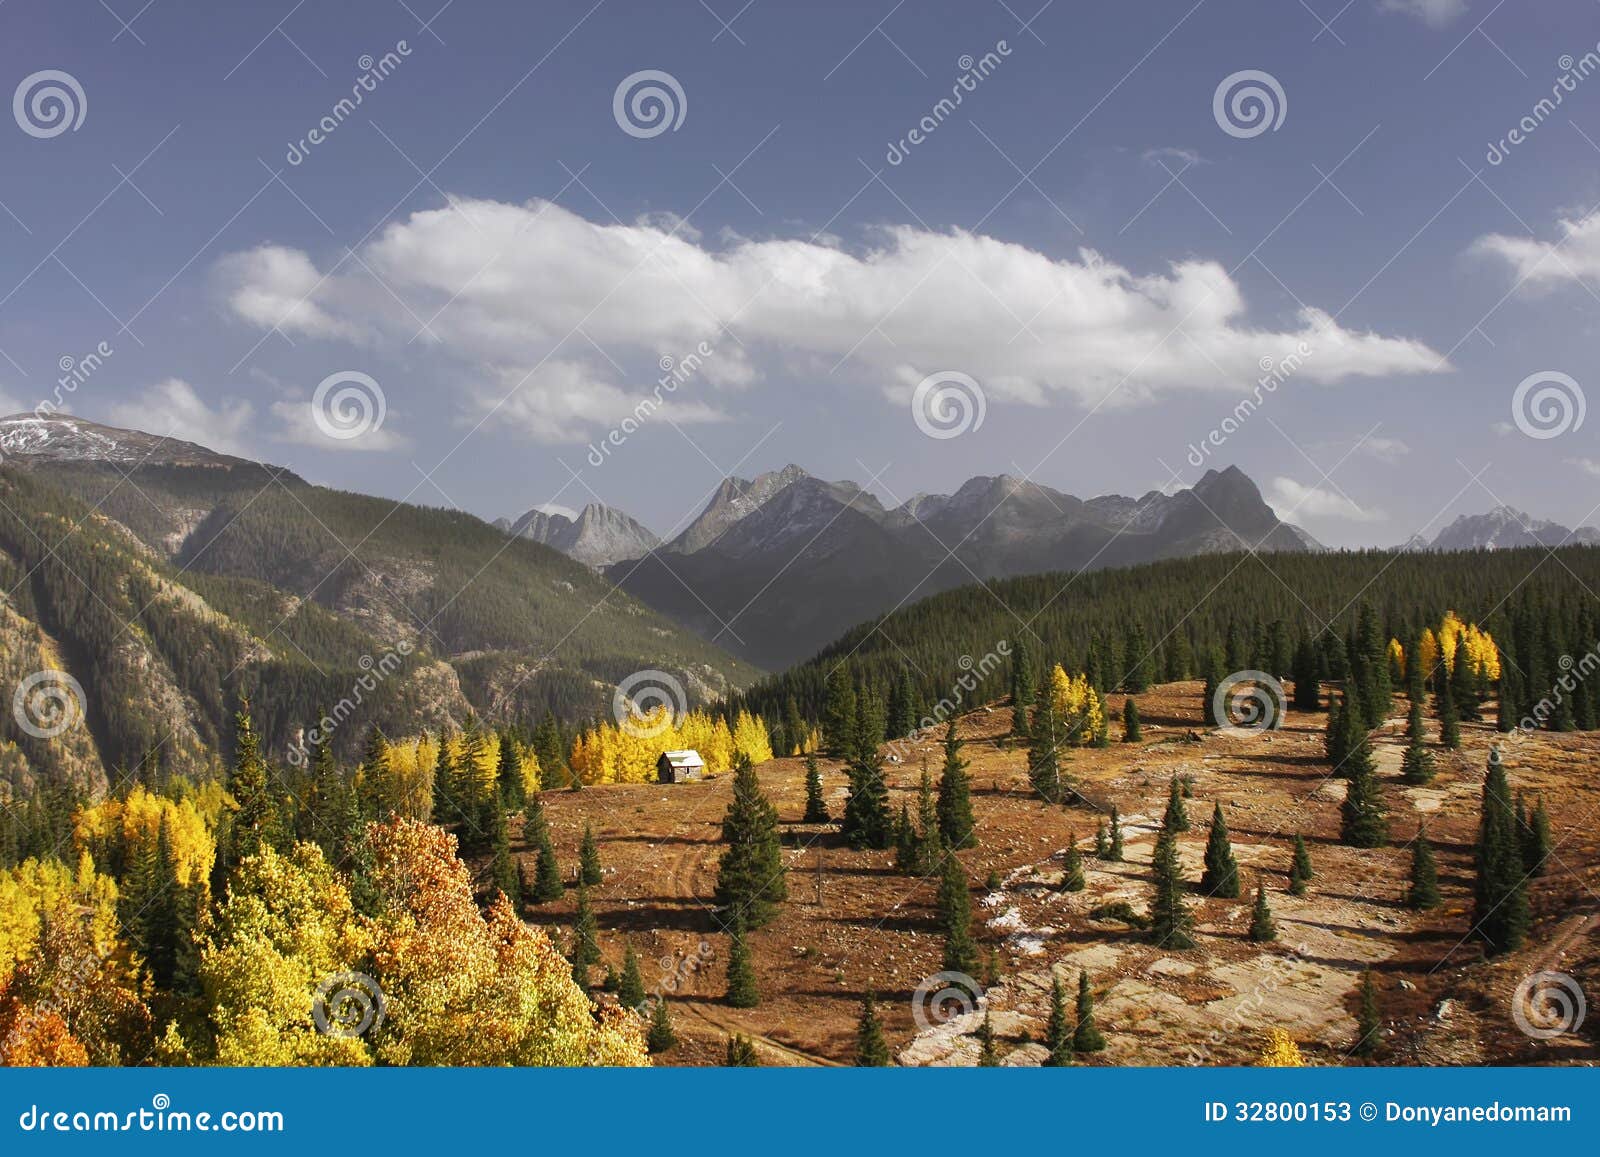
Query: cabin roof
(686, 758)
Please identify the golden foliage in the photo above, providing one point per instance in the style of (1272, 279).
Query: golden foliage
(607, 753)
(1281, 1052)
(121, 831)
(1078, 707)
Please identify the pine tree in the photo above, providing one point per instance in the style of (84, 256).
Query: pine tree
(585, 947)
(446, 808)
(1464, 680)
(866, 813)
(1022, 692)
(630, 986)
(589, 868)
(1170, 919)
(503, 867)
(750, 877)
(816, 806)
(1300, 873)
(741, 1053)
(256, 822)
(1059, 1028)
(1137, 658)
(547, 883)
(1416, 766)
(1500, 915)
(1262, 929)
(955, 796)
(1424, 890)
(1130, 721)
(988, 1058)
(905, 842)
(1115, 853)
(742, 990)
(1177, 817)
(1362, 815)
(660, 1036)
(991, 968)
(1072, 874)
(1445, 708)
(1086, 1037)
(871, 1049)
(508, 773)
(955, 919)
(1102, 844)
(1369, 1021)
(1221, 876)
(1354, 742)
(839, 714)
(1335, 736)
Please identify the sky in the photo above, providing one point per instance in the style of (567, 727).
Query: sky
(606, 251)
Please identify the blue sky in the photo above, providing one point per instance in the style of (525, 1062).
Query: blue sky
(1080, 238)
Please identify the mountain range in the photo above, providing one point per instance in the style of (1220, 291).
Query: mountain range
(777, 566)
(1503, 528)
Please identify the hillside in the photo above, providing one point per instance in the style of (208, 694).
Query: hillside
(170, 582)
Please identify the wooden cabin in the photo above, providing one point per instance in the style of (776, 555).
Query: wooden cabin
(680, 766)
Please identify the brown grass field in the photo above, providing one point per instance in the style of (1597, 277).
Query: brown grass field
(852, 923)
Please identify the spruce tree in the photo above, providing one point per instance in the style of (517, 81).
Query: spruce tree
(1221, 876)
(1369, 1021)
(1416, 766)
(1335, 737)
(660, 1036)
(1072, 873)
(256, 821)
(1423, 892)
(508, 773)
(1500, 915)
(589, 868)
(955, 919)
(1022, 693)
(1086, 1037)
(585, 947)
(547, 883)
(1262, 929)
(955, 796)
(750, 877)
(1115, 852)
(839, 714)
(871, 1049)
(1362, 815)
(1170, 919)
(503, 867)
(1300, 873)
(446, 808)
(816, 806)
(1137, 658)
(1059, 1028)
(1445, 708)
(630, 986)
(1130, 721)
(1102, 844)
(866, 813)
(1177, 817)
(742, 990)
(1354, 742)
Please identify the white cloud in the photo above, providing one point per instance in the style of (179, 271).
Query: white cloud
(512, 285)
(1589, 466)
(173, 409)
(1184, 158)
(563, 401)
(1535, 263)
(1291, 501)
(1383, 449)
(1437, 13)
